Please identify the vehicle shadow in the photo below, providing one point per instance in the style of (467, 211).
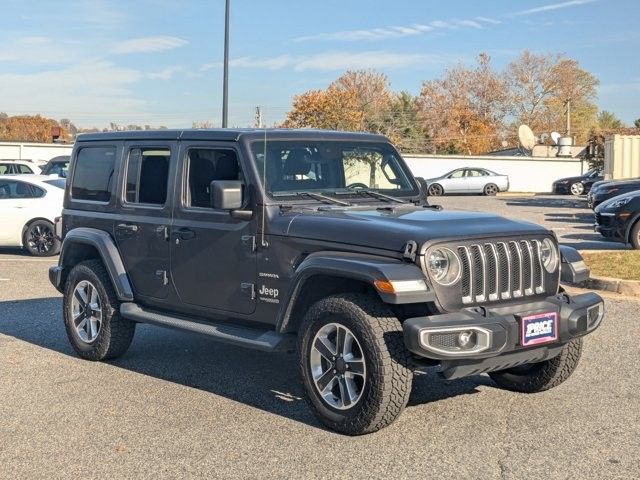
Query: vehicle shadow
(267, 381)
(549, 202)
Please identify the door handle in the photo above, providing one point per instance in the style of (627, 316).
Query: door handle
(185, 234)
(127, 227)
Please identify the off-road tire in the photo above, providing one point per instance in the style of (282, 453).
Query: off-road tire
(538, 377)
(47, 226)
(491, 190)
(435, 190)
(634, 236)
(388, 373)
(116, 332)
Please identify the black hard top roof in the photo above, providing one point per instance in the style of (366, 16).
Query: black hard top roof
(229, 135)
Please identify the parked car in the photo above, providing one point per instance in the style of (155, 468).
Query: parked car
(8, 167)
(29, 205)
(608, 190)
(57, 166)
(468, 180)
(619, 218)
(264, 238)
(579, 185)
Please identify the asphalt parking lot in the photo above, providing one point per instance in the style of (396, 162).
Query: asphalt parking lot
(178, 405)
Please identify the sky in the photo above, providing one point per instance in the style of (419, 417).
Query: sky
(159, 62)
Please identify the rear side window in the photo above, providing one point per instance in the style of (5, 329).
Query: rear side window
(4, 168)
(93, 174)
(24, 169)
(12, 189)
(147, 175)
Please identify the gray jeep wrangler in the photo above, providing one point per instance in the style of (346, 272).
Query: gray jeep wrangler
(262, 238)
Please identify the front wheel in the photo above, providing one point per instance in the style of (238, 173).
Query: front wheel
(634, 238)
(577, 188)
(353, 363)
(537, 377)
(435, 190)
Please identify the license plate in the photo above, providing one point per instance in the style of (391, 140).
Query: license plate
(537, 329)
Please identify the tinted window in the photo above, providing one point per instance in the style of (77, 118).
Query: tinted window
(147, 175)
(94, 171)
(204, 166)
(14, 189)
(57, 168)
(24, 169)
(4, 168)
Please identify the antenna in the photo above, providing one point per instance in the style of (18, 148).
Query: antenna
(555, 136)
(526, 137)
(263, 242)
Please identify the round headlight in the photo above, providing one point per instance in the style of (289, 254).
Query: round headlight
(444, 266)
(549, 255)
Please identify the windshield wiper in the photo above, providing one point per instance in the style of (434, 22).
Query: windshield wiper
(374, 194)
(315, 196)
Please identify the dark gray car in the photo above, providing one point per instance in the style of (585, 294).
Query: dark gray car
(317, 241)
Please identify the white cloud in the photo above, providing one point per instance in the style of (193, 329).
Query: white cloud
(357, 60)
(339, 60)
(90, 93)
(552, 6)
(159, 43)
(383, 33)
(37, 50)
(164, 74)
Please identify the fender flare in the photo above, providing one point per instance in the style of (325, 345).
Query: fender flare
(109, 255)
(361, 267)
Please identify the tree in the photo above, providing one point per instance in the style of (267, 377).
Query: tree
(332, 109)
(636, 123)
(26, 128)
(403, 126)
(464, 110)
(608, 121)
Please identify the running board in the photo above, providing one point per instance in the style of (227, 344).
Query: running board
(265, 340)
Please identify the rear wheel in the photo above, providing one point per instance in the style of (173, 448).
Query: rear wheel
(40, 239)
(577, 188)
(353, 363)
(435, 190)
(92, 316)
(537, 377)
(634, 239)
(491, 189)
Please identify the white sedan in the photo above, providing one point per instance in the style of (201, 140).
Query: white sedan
(29, 205)
(468, 180)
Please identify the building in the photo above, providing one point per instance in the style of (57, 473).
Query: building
(38, 153)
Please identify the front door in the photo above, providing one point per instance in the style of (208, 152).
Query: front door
(142, 228)
(213, 260)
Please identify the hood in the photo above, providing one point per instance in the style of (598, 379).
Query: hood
(623, 186)
(607, 204)
(390, 229)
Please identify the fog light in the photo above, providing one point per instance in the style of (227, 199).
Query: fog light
(595, 315)
(466, 340)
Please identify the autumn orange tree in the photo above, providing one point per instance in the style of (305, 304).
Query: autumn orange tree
(26, 128)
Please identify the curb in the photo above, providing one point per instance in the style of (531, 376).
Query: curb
(516, 194)
(616, 285)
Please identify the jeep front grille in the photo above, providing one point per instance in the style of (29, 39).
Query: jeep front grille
(501, 271)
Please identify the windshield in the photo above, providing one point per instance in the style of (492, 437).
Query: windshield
(331, 167)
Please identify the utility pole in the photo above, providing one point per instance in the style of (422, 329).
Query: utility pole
(225, 80)
(568, 104)
(258, 123)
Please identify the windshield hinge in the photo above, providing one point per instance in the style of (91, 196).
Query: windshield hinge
(410, 251)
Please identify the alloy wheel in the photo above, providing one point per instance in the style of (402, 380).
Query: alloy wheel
(577, 188)
(86, 311)
(490, 190)
(337, 366)
(435, 190)
(41, 239)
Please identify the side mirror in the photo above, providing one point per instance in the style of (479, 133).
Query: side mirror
(226, 194)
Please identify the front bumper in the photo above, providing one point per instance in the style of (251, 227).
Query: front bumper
(561, 189)
(498, 331)
(608, 225)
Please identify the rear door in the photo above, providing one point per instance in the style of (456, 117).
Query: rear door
(17, 202)
(476, 180)
(213, 259)
(142, 228)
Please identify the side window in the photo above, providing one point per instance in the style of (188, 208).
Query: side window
(4, 168)
(457, 174)
(147, 176)
(475, 173)
(11, 189)
(93, 174)
(24, 169)
(205, 166)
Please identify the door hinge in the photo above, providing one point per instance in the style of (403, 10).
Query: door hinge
(249, 241)
(248, 289)
(162, 274)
